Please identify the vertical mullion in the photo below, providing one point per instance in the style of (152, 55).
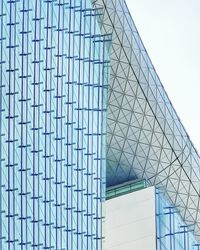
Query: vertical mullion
(59, 126)
(69, 130)
(48, 127)
(1, 110)
(24, 123)
(36, 125)
(11, 126)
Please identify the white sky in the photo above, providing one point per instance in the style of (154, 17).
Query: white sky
(170, 30)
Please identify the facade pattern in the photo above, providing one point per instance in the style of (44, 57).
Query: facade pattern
(145, 136)
(53, 83)
(172, 232)
(53, 111)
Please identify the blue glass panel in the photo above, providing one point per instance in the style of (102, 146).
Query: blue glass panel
(172, 232)
(53, 89)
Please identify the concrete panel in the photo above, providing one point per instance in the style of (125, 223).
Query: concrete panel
(130, 221)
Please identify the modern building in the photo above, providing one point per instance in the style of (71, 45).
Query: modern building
(75, 81)
(53, 76)
(145, 137)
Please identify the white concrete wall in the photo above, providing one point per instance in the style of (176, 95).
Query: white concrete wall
(130, 221)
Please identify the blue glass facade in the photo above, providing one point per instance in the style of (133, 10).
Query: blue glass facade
(172, 232)
(53, 101)
(53, 78)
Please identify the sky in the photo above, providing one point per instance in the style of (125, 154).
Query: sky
(170, 30)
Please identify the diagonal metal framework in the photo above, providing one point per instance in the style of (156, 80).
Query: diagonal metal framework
(145, 136)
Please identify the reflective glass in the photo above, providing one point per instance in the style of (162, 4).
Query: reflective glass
(53, 84)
